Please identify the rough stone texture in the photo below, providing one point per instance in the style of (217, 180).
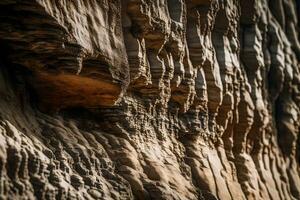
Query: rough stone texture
(140, 99)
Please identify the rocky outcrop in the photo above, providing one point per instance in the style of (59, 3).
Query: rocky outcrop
(139, 99)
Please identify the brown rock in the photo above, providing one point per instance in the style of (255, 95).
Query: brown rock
(140, 99)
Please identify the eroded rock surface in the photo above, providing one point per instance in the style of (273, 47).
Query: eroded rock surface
(140, 99)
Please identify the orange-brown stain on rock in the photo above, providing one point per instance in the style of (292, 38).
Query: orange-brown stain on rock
(67, 90)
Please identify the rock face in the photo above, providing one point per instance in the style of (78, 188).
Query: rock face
(140, 99)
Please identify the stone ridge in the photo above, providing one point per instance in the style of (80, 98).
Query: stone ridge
(140, 99)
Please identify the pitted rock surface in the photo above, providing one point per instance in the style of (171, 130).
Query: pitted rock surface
(140, 99)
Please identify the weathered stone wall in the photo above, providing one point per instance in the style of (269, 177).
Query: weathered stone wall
(140, 99)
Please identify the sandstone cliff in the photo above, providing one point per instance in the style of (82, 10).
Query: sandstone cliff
(141, 99)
